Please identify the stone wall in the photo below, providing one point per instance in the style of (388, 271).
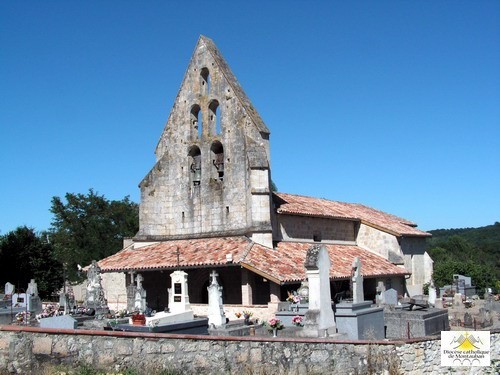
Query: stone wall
(303, 228)
(25, 350)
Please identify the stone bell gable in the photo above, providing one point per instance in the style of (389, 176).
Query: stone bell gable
(212, 172)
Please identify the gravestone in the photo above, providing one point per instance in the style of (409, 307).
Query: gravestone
(468, 322)
(359, 320)
(457, 299)
(32, 288)
(216, 314)
(391, 297)
(319, 320)
(178, 295)
(380, 298)
(357, 282)
(485, 317)
(432, 294)
(95, 292)
(59, 322)
(140, 295)
(9, 288)
(34, 302)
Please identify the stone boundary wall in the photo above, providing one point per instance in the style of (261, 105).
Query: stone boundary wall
(26, 350)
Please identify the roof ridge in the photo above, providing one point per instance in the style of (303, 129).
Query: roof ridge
(234, 83)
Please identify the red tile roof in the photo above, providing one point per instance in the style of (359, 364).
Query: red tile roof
(192, 253)
(301, 205)
(283, 264)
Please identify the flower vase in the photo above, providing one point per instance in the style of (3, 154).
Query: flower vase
(275, 332)
(247, 321)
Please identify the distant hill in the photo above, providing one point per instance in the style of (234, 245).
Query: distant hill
(487, 237)
(472, 252)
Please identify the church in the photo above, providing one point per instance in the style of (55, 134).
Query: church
(208, 204)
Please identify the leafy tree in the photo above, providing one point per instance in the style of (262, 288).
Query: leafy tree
(90, 227)
(482, 276)
(24, 255)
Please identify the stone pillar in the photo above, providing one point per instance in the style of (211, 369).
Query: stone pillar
(275, 292)
(246, 288)
(319, 319)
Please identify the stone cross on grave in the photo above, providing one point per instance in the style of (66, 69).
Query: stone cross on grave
(357, 282)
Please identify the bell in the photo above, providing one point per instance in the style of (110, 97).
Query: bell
(197, 176)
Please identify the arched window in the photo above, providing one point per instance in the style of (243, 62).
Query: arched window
(214, 116)
(217, 153)
(195, 165)
(205, 81)
(196, 121)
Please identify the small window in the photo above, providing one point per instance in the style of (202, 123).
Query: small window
(205, 81)
(214, 116)
(195, 165)
(217, 152)
(196, 121)
(317, 237)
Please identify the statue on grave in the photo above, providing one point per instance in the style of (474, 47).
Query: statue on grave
(216, 314)
(140, 294)
(95, 293)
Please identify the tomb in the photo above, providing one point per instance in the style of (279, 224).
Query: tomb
(358, 319)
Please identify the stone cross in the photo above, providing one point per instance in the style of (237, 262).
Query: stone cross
(357, 282)
(216, 314)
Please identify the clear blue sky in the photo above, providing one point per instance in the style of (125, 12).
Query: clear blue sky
(393, 104)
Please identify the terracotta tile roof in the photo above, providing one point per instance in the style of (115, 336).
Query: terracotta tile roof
(192, 253)
(285, 263)
(301, 205)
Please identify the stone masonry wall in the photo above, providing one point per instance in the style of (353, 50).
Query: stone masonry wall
(305, 228)
(25, 350)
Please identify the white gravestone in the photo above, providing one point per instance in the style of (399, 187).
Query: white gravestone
(357, 282)
(319, 318)
(380, 298)
(216, 314)
(32, 288)
(432, 294)
(179, 306)
(9, 288)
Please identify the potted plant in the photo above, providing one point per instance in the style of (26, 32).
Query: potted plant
(138, 319)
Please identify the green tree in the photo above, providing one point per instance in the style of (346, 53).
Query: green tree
(482, 276)
(24, 255)
(90, 227)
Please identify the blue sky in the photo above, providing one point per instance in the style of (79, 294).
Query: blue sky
(393, 104)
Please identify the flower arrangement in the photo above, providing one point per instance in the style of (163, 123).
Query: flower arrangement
(297, 321)
(23, 317)
(246, 314)
(274, 323)
(293, 297)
